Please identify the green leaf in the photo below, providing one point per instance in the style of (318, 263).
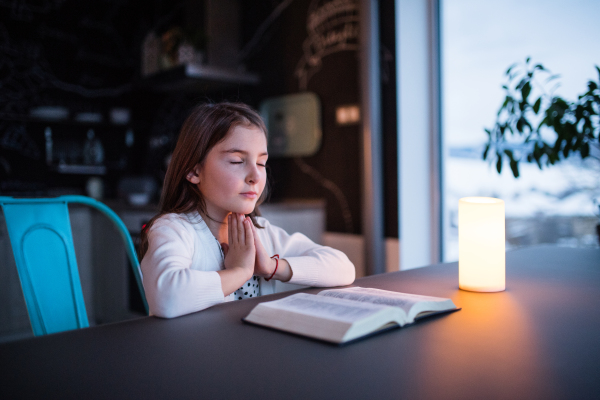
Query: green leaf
(585, 150)
(527, 60)
(520, 125)
(558, 144)
(536, 106)
(499, 163)
(506, 102)
(537, 154)
(525, 91)
(514, 166)
(510, 68)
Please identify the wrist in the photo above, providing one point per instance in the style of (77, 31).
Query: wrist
(284, 272)
(233, 278)
(240, 271)
(246, 273)
(275, 264)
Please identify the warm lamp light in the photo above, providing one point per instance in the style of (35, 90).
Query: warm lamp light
(481, 254)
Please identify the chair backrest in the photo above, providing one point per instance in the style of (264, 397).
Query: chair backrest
(42, 243)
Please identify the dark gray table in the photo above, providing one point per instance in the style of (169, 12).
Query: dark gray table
(538, 339)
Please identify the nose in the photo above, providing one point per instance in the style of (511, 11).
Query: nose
(253, 175)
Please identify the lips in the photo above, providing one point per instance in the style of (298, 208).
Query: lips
(249, 195)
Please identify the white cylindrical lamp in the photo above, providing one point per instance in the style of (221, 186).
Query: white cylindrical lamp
(481, 244)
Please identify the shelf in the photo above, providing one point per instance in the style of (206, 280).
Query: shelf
(191, 77)
(106, 125)
(81, 169)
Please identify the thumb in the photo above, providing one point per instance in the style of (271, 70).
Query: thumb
(225, 248)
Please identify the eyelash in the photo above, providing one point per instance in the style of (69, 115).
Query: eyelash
(241, 162)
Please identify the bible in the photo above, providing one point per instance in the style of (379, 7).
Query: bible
(344, 315)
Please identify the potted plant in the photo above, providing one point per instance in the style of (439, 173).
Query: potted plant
(531, 111)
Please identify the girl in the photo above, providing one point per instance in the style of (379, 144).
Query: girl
(208, 244)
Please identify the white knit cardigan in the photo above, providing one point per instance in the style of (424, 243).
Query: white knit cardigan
(179, 268)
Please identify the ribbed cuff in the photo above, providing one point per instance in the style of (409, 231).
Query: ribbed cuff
(305, 271)
(212, 293)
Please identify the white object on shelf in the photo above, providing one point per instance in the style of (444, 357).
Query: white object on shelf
(219, 74)
(81, 169)
(50, 113)
(90, 117)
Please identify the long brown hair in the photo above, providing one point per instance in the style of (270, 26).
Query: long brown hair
(205, 127)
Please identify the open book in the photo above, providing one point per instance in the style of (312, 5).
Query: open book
(342, 315)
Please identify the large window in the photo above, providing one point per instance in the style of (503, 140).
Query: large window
(479, 41)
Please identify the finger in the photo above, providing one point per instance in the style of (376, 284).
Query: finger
(241, 229)
(229, 233)
(234, 230)
(257, 241)
(249, 233)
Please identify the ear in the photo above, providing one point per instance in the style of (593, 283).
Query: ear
(194, 175)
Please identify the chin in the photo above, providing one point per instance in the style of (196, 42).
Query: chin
(243, 210)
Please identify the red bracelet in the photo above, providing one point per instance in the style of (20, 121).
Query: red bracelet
(276, 258)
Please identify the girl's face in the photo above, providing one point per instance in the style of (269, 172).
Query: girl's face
(233, 175)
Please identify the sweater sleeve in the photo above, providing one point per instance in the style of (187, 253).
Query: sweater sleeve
(172, 287)
(312, 264)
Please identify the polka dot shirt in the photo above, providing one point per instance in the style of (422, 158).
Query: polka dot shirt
(248, 290)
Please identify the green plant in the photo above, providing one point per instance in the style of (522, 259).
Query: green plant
(529, 120)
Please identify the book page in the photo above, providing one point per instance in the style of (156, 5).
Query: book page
(325, 307)
(404, 301)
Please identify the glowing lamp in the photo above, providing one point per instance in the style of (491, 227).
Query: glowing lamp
(481, 253)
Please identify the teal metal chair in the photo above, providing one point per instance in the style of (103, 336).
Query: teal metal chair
(42, 243)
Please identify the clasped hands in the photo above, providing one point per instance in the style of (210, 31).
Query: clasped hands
(244, 249)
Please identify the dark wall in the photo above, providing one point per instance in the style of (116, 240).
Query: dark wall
(336, 83)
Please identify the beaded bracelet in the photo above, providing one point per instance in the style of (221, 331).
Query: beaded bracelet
(276, 258)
